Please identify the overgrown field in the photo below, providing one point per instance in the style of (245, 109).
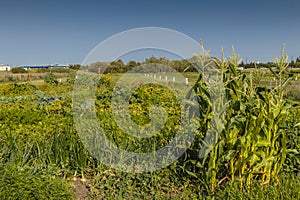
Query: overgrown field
(254, 154)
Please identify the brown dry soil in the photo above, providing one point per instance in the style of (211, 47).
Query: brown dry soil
(82, 189)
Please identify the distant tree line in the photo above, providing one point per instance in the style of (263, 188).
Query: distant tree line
(119, 66)
(162, 63)
(292, 64)
(184, 65)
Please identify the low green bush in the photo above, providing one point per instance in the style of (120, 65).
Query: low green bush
(50, 78)
(53, 70)
(18, 70)
(32, 183)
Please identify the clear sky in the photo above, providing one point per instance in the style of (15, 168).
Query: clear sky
(65, 31)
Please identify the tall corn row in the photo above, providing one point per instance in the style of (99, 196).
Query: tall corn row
(249, 140)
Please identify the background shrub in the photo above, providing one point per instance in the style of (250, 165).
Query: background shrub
(51, 79)
(18, 70)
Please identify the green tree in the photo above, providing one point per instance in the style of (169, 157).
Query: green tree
(131, 65)
(117, 67)
(75, 66)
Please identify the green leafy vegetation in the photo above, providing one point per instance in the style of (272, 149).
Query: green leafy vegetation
(255, 154)
(33, 183)
(51, 79)
(18, 70)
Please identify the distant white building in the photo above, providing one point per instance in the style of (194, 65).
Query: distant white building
(4, 67)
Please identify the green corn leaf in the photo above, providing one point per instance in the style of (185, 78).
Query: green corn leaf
(191, 173)
(294, 151)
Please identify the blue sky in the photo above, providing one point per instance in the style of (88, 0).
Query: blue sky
(65, 31)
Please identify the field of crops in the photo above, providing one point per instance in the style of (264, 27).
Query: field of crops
(248, 150)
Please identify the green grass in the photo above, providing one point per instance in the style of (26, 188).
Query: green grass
(289, 189)
(33, 183)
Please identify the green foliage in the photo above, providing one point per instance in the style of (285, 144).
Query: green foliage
(32, 183)
(292, 162)
(44, 134)
(75, 66)
(164, 184)
(140, 102)
(289, 190)
(113, 184)
(16, 89)
(258, 140)
(131, 65)
(71, 78)
(51, 70)
(179, 65)
(50, 78)
(120, 67)
(16, 70)
(253, 143)
(105, 80)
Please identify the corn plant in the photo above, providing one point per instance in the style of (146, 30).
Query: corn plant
(210, 98)
(249, 140)
(255, 136)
